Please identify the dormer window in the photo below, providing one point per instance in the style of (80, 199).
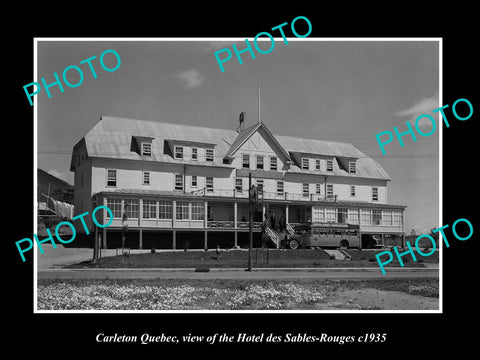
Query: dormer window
(329, 165)
(178, 152)
(146, 149)
(352, 167)
(209, 154)
(305, 164)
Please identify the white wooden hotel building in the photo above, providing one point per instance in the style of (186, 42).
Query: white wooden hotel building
(176, 181)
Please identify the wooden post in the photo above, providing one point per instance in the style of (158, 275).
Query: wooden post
(250, 235)
(104, 237)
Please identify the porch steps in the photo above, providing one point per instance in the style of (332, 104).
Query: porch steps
(273, 236)
(338, 254)
(290, 229)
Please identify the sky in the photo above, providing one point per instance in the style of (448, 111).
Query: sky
(345, 91)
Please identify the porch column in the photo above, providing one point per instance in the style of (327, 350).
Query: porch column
(205, 225)
(263, 212)
(174, 239)
(235, 212)
(104, 237)
(235, 215)
(205, 213)
(140, 222)
(286, 213)
(174, 213)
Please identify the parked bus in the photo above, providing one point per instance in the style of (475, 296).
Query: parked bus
(325, 235)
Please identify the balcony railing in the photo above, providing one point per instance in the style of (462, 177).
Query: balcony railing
(263, 195)
(222, 224)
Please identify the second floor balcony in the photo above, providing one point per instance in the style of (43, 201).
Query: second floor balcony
(263, 195)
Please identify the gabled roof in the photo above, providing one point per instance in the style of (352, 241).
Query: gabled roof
(111, 138)
(244, 135)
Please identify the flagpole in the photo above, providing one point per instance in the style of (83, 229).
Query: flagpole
(259, 102)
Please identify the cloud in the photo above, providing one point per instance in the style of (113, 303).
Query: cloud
(424, 106)
(190, 78)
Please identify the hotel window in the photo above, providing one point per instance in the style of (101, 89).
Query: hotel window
(330, 215)
(209, 183)
(366, 217)
(397, 218)
(198, 211)
(178, 152)
(343, 216)
(239, 184)
(209, 154)
(273, 163)
(387, 218)
(194, 153)
(246, 161)
(352, 167)
(130, 207)
(317, 164)
(178, 182)
(329, 190)
(280, 187)
(259, 162)
(146, 149)
(377, 217)
(318, 214)
(181, 209)
(353, 217)
(149, 209)
(116, 206)
(112, 178)
(146, 178)
(352, 190)
(194, 181)
(318, 188)
(305, 189)
(165, 210)
(305, 164)
(260, 187)
(329, 165)
(374, 193)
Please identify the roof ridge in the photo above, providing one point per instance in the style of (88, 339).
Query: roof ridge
(167, 123)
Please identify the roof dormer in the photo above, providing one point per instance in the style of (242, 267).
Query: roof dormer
(142, 145)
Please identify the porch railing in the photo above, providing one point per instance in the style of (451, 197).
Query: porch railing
(266, 195)
(225, 224)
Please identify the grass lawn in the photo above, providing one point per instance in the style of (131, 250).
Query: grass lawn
(230, 294)
(239, 259)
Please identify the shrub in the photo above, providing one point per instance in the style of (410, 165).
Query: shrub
(153, 251)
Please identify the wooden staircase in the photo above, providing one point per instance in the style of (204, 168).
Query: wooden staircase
(273, 237)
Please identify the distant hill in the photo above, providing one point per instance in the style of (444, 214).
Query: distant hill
(59, 189)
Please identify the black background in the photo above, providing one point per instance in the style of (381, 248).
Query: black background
(408, 334)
